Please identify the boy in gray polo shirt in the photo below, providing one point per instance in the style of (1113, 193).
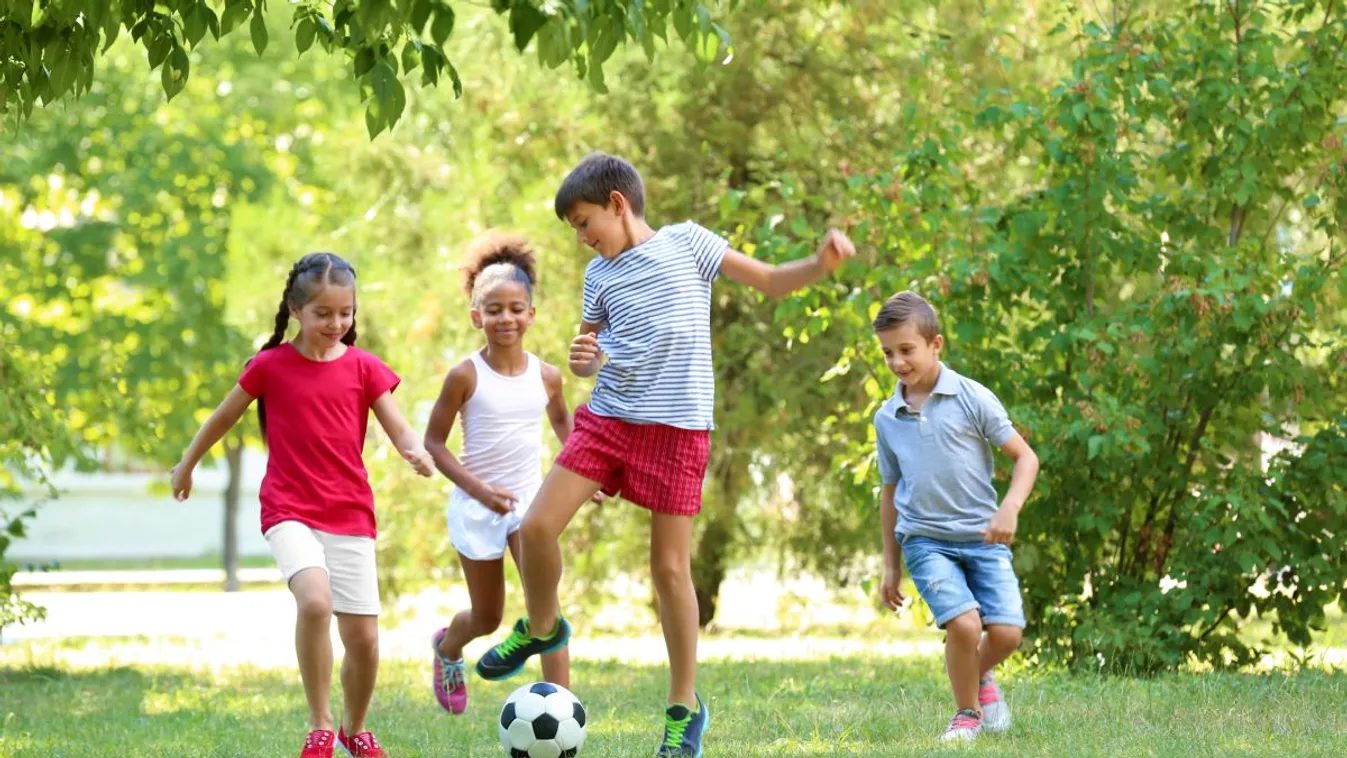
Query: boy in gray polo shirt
(938, 508)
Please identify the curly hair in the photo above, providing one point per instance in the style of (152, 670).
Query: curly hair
(496, 257)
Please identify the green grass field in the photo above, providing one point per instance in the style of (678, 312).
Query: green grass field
(856, 706)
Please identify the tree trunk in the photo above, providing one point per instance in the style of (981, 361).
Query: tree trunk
(709, 564)
(234, 457)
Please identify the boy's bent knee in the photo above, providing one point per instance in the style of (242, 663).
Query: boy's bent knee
(486, 622)
(536, 530)
(1005, 635)
(965, 626)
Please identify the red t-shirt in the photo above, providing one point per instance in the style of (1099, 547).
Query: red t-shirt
(317, 414)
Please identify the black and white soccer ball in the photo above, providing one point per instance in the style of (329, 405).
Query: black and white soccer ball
(542, 721)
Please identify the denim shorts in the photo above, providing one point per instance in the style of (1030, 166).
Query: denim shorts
(956, 577)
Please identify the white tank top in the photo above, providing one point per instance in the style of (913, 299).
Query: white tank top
(502, 430)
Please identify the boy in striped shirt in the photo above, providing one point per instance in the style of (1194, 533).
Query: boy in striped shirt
(646, 332)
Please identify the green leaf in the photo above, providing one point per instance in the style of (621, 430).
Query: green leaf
(1311, 202)
(411, 55)
(159, 47)
(383, 80)
(682, 18)
(453, 76)
(258, 29)
(194, 24)
(724, 38)
(174, 75)
(596, 75)
(374, 121)
(233, 15)
(421, 14)
(443, 26)
(304, 35)
(525, 21)
(364, 61)
(1096, 442)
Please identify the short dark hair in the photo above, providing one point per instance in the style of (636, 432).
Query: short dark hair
(597, 177)
(909, 307)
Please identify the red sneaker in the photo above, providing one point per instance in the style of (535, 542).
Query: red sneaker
(319, 744)
(362, 745)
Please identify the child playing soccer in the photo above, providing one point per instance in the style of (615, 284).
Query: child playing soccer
(501, 392)
(646, 332)
(314, 395)
(938, 508)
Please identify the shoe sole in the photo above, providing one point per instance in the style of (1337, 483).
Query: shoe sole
(506, 674)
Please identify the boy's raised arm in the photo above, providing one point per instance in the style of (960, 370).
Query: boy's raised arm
(783, 279)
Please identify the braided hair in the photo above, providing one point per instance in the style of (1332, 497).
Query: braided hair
(307, 278)
(497, 257)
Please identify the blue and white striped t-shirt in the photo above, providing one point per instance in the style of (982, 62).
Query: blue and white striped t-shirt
(654, 302)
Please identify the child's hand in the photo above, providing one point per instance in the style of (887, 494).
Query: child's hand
(498, 499)
(584, 351)
(180, 479)
(420, 460)
(1001, 530)
(890, 591)
(834, 250)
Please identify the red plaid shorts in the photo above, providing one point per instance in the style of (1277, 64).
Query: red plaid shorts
(658, 467)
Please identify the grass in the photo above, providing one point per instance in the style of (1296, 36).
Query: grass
(859, 706)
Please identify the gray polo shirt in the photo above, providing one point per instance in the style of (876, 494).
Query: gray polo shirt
(941, 458)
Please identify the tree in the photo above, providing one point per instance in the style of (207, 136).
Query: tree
(49, 50)
(1165, 293)
(763, 153)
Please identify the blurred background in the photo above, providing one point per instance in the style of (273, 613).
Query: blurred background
(1129, 216)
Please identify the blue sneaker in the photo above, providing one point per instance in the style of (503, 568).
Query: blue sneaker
(506, 659)
(683, 731)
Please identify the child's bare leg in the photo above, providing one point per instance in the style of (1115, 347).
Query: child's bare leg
(486, 594)
(556, 666)
(671, 568)
(313, 642)
(359, 667)
(561, 495)
(1001, 640)
(962, 635)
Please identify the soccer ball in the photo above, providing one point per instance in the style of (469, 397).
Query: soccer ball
(542, 721)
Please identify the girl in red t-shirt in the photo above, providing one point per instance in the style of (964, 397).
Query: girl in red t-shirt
(317, 506)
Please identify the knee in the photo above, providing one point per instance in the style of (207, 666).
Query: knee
(1005, 637)
(361, 638)
(965, 628)
(315, 605)
(486, 621)
(669, 572)
(535, 530)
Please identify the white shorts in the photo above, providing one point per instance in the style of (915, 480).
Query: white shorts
(479, 533)
(348, 560)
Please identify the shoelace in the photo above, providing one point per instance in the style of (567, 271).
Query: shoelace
(366, 741)
(318, 739)
(965, 720)
(673, 730)
(516, 640)
(988, 692)
(453, 673)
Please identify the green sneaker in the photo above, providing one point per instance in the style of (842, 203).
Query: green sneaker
(683, 731)
(506, 659)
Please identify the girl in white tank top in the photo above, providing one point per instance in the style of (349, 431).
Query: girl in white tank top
(501, 392)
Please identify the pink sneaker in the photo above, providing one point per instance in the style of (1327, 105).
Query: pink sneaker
(995, 712)
(451, 686)
(318, 744)
(362, 745)
(964, 727)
